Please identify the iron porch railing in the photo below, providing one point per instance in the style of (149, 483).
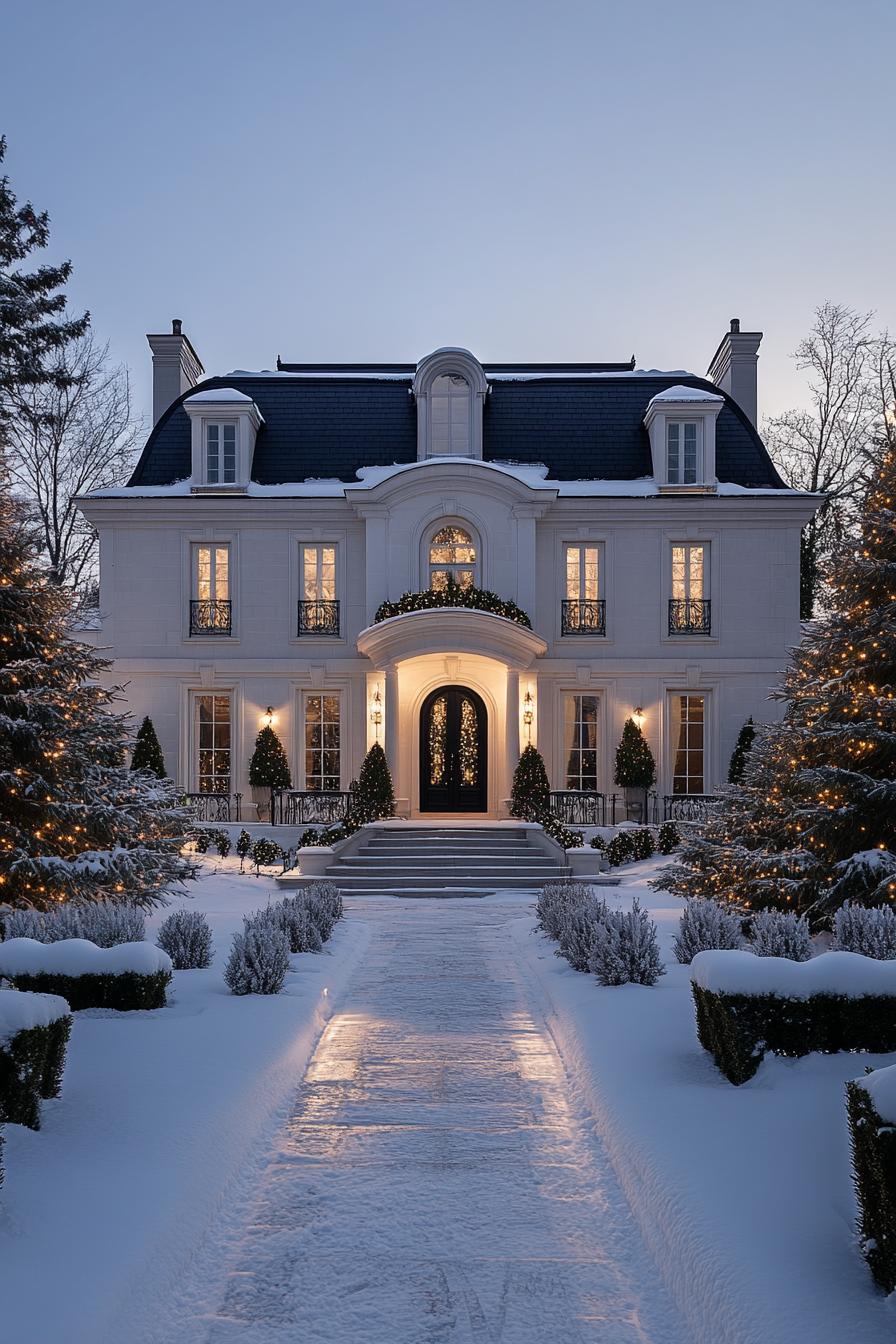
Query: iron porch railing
(689, 616)
(209, 617)
(583, 616)
(210, 807)
(318, 618)
(579, 807)
(687, 806)
(292, 807)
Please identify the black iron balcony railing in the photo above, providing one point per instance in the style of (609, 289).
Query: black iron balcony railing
(689, 616)
(318, 618)
(209, 617)
(583, 616)
(292, 807)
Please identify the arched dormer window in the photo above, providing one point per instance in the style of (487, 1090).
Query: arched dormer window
(452, 557)
(450, 388)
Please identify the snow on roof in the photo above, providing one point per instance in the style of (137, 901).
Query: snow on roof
(19, 1011)
(681, 393)
(219, 394)
(846, 973)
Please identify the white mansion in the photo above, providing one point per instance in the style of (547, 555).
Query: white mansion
(633, 517)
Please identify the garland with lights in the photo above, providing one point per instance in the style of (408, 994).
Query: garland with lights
(453, 595)
(75, 821)
(813, 823)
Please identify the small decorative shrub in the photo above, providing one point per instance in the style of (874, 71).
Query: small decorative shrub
(222, 843)
(870, 931)
(580, 932)
(295, 918)
(201, 840)
(780, 933)
(669, 838)
(873, 1142)
(598, 842)
(266, 852)
(626, 950)
(243, 845)
(32, 1057)
(324, 901)
(706, 926)
(259, 956)
(642, 843)
(187, 938)
(621, 849)
(557, 902)
(105, 923)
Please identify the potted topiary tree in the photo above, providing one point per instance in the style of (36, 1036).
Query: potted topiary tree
(268, 770)
(635, 770)
(530, 792)
(147, 750)
(373, 798)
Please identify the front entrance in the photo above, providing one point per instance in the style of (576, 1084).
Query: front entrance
(453, 751)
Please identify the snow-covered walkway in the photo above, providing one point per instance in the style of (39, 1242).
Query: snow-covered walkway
(437, 1182)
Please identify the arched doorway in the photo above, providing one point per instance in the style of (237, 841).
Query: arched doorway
(453, 751)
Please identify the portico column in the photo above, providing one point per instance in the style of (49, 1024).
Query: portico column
(512, 726)
(390, 698)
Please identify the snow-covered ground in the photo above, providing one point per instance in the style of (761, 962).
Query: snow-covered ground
(160, 1116)
(744, 1194)
(462, 1138)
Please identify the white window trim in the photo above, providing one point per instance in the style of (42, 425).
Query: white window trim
(248, 420)
(681, 425)
(317, 536)
(604, 588)
(209, 537)
(712, 579)
(437, 519)
(462, 526)
(303, 693)
(561, 729)
(711, 696)
(220, 426)
(188, 755)
(701, 409)
(451, 361)
(557, 765)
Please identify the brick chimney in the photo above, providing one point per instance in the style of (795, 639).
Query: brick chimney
(733, 367)
(176, 368)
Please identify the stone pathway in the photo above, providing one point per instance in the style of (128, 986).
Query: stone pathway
(436, 1184)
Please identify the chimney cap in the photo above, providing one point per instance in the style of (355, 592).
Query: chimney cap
(735, 324)
(177, 324)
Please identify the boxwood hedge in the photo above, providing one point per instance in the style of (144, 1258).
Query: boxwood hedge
(31, 1066)
(874, 1174)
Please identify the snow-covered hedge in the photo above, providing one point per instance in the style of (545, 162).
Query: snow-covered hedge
(105, 923)
(870, 931)
(706, 926)
(259, 956)
(557, 902)
(127, 976)
(871, 1108)
(34, 1032)
(781, 933)
(626, 950)
(747, 1005)
(580, 931)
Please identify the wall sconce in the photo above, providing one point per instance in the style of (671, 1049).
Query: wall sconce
(376, 712)
(639, 716)
(268, 717)
(528, 714)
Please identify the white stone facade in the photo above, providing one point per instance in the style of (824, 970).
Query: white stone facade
(725, 552)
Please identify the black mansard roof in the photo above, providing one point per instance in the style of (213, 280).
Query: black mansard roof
(583, 421)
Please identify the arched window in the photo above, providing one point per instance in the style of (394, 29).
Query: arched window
(452, 556)
(450, 401)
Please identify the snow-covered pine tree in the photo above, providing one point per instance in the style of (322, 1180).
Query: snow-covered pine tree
(33, 328)
(741, 750)
(148, 750)
(76, 822)
(530, 791)
(269, 768)
(814, 822)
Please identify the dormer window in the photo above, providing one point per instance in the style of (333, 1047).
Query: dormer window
(682, 452)
(224, 425)
(220, 453)
(681, 423)
(449, 388)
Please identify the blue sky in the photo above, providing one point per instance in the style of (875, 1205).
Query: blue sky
(531, 180)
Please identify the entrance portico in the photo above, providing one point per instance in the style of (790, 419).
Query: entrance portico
(421, 654)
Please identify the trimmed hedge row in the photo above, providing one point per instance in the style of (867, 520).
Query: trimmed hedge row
(31, 1066)
(873, 1143)
(125, 990)
(738, 1029)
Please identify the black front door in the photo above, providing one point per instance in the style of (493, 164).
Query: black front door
(453, 751)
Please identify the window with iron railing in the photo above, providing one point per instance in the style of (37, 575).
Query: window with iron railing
(689, 606)
(210, 605)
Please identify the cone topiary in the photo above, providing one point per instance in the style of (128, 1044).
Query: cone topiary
(741, 751)
(530, 791)
(635, 766)
(269, 768)
(147, 750)
(373, 797)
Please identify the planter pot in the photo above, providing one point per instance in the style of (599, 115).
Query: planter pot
(635, 809)
(586, 862)
(314, 860)
(261, 799)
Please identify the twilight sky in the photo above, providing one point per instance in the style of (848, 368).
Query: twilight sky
(362, 181)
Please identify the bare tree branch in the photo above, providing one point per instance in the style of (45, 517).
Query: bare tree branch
(64, 441)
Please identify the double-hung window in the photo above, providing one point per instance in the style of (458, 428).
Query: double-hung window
(583, 608)
(220, 453)
(323, 743)
(683, 465)
(580, 742)
(318, 603)
(212, 742)
(210, 604)
(689, 606)
(687, 715)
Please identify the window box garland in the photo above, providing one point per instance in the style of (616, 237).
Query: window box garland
(453, 595)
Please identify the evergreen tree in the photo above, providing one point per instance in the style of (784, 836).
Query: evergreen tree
(32, 328)
(373, 797)
(741, 749)
(530, 792)
(75, 822)
(635, 766)
(269, 768)
(814, 822)
(147, 750)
